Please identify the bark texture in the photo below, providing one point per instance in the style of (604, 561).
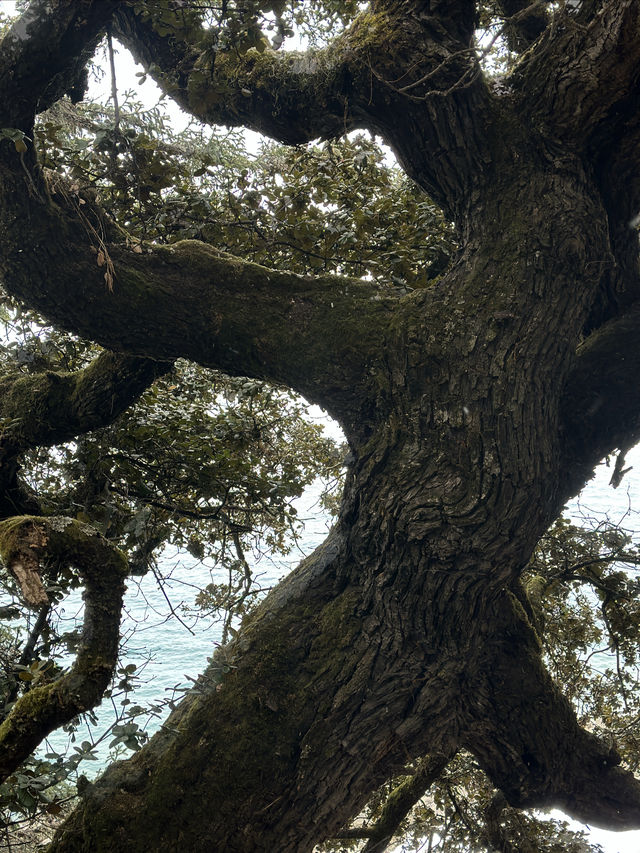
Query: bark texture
(473, 409)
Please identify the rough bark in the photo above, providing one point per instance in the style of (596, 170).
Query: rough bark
(404, 634)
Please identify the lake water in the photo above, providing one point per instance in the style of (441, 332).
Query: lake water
(169, 653)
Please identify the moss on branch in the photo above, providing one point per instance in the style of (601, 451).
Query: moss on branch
(103, 568)
(49, 408)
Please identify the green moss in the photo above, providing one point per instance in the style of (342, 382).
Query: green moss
(24, 716)
(12, 534)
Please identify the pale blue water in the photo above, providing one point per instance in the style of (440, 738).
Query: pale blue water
(170, 648)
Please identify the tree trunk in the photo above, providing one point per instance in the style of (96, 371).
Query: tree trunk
(405, 633)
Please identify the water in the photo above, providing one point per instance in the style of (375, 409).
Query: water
(166, 640)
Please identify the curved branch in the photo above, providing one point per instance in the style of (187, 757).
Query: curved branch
(319, 336)
(49, 408)
(526, 736)
(426, 96)
(25, 541)
(294, 96)
(409, 74)
(44, 52)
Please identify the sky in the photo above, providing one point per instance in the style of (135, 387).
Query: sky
(611, 842)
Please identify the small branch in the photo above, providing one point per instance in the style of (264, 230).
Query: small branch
(27, 652)
(619, 470)
(398, 805)
(114, 85)
(26, 656)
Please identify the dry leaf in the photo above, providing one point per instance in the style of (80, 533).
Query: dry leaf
(101, 258)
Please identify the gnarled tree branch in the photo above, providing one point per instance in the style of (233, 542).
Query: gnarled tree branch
(49, 408)
(318, 335)
(43, 409)
(29, 540)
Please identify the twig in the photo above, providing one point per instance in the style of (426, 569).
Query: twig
(114, 86)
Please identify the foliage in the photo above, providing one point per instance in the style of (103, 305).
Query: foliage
(338, 207)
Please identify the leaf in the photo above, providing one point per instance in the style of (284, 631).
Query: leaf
(101, 258)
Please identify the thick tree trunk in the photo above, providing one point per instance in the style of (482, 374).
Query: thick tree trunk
(405, 632)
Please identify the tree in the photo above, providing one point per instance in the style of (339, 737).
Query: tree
(474, 404)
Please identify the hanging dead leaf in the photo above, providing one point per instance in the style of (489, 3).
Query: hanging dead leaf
(101, 258)
(109, 280)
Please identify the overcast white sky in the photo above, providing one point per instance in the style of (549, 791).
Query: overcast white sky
(611, 842)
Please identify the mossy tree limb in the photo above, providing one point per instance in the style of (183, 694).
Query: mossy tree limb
(297, 97)
(318, 335)
(49, 408)
(43, 409)
(44, 708)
